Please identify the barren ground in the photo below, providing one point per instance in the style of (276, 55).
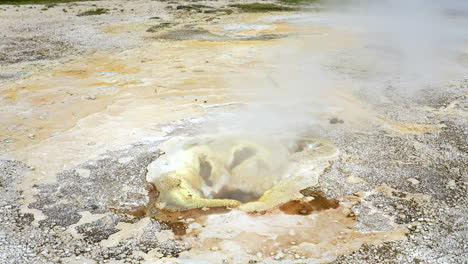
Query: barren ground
(86, 101)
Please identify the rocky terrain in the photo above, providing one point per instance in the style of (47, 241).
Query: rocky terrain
(86, 101)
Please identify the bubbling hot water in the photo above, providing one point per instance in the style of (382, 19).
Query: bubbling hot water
(250, 173)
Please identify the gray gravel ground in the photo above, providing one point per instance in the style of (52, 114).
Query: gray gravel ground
(437, 226)
(437, 160)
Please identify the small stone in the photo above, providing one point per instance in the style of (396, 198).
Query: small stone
(279, 256)
(451, 184)
(205, 209)
(353, 180)
(336, 121)
(83, 172)
(125, 160)
(413, 181)
(214, 249)
(259, 254)
(31, 136)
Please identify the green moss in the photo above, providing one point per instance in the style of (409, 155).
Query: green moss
(98, 11)
(221, 10)
(298, 1)
(193, 7)
(258, 7)
(34, 2)
(156, 28)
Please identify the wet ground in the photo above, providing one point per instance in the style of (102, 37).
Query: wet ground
(84, 114)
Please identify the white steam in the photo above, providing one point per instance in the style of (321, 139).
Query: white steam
(406, 45)
(413, 44)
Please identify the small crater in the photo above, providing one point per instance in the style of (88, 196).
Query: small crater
(236, 194)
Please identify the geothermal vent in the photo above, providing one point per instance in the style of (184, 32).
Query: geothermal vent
(247, 172)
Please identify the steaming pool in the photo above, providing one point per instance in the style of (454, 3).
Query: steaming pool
(247, 172)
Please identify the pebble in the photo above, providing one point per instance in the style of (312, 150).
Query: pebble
(413, 181)
(278, 256)
(354, 180)
(124, 160)
(451, 184)
(83, 172)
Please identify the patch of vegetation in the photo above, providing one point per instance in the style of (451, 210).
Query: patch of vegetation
(258, 7)
(158, 27)
(193, 7)
(220, 10)
(34, 2)
(298, 1)
(98, 11)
